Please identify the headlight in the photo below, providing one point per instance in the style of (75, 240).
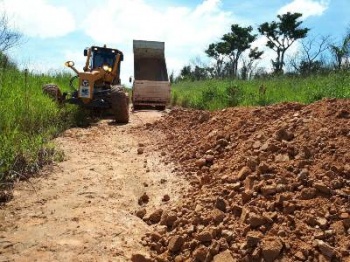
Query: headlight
(107, 68)
(69, 63)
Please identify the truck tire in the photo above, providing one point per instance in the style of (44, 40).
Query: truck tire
(120, 104)
(54, 92)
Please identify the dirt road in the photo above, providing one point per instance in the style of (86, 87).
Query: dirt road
(83, 209)
(261, 184)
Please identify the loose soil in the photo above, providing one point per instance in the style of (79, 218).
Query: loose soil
(241, 184)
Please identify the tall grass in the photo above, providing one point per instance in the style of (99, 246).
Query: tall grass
(218, 94)
(28, 120)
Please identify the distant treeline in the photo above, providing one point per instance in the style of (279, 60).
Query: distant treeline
(234, 57)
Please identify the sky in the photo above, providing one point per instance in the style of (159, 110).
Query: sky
(55, 31)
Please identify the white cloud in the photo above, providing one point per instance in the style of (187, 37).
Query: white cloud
(37, 18)
(185, 31)
(306, 7)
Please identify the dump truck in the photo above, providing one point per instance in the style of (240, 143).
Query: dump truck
(98, 87)
(151, 86)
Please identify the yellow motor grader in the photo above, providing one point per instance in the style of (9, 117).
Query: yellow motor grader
(98, 85)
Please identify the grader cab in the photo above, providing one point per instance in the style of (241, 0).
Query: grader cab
(98, 85)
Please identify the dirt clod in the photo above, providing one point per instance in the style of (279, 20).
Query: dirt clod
(271, 249)
(175, 243)
(156, 216)
(143, 199)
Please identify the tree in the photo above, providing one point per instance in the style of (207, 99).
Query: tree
(232, 46)
(236, 42)
(215, 51)
(310, 58)
(186, 72)
(248, 65)
(196, 74)
(8, 36)
(281, 35)
(341, 52)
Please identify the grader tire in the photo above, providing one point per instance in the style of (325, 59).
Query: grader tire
(54, 92)
(120, 105)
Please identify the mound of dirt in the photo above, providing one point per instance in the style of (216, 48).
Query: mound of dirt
(267, 183)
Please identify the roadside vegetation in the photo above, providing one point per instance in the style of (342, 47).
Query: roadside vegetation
(28, 120)
(218, 94)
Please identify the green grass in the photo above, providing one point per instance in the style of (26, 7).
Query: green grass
(28, 121)
(218, 94)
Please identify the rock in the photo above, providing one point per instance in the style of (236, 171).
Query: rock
(198, 208)
(204, 236)
(222, 142)
(338, 227)
(143, 199)
(224, 256)
(322, 222)
(244, 172)
(256, 220)
(346, 223)
(249, 183)
(320, 187)
(201, 162)
(246, 196)
(269, 146)
(344, 215)
(268, 190)
(217, 215)
(283, 134)
(325, 249)
(141, 213)
(300, 256)
(282, 158)
(179, 258)
(303, 175)
(140, 258)
(244, 215)
(209, 159)
(236, 210)
(253, 238)
(175, 244)
(155, 237)
(201, 254)
(271, 248)
(252, 163)
(263, 168)
(140, 150)
(257, 144)
(168, 219)
(214, 248)
(166, 198)
(203, 117)
(308, 193)
(156, 216)
(221, 204)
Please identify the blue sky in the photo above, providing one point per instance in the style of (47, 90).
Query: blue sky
(58, 30)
